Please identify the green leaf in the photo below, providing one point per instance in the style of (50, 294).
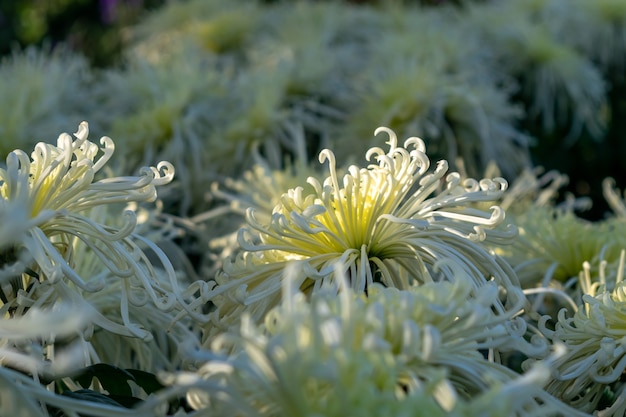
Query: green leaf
(124, 401)
(146, 380)
(113, 379)
(92, 396)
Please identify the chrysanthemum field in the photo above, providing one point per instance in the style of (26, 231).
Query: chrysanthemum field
(281, 209)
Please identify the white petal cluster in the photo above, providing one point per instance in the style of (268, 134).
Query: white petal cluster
(381, 354)
(67, 245)
(590, 373)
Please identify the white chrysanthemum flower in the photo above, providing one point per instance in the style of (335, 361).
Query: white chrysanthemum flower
(533, 189)
(258, 116)
(550, 243)
(390, 222)
(60, 188)
(59, 184)
(606, 42)
(381, 354)
(300, 39)
(617, 222)
(207, 125)
(463, 114)
(262, 188)
(590, 374)
(107, 340)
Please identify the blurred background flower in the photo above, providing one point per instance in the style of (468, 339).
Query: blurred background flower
(41, 91)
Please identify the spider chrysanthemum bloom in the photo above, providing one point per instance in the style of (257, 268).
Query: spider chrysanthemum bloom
(550, 245)
(590, 374)
(616, 223)
(59, 183)
(463, 115)
(262, 188)
(380, 354)
(106, 337)
(390, 222)
(60, 186)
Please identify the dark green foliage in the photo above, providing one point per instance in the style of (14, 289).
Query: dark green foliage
(112, 379)
(92, 27)
(588, 161)
(115, 381)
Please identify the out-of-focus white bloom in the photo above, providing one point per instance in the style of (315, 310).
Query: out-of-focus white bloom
(390, 222)
(41, 91)
(590, 372)
(550, 240)
(15, 221)
(532, 188)
(106, 337)
(606, 30)
(258, 116)
(616, 224)
(613, 197)
(149, 108)
(562, 87)
(446, 90)
(604, 37)
(17, 349)
(209, 26)
(260, 188)
(317, 45)
(340, 353)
